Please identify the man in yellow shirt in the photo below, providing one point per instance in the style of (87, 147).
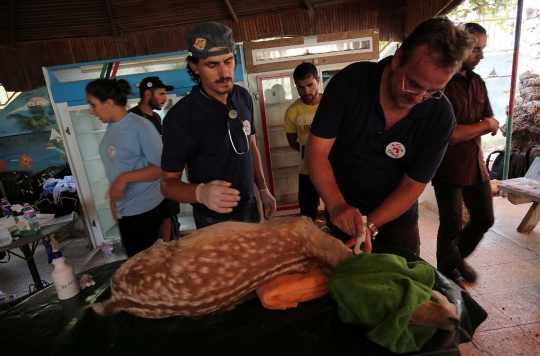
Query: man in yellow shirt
(298, 118)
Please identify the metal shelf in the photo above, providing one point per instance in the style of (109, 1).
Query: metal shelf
(282, 151)
(276, 128)
(286, 171)
(92, 158)
(90, 132)
(113, 232)
(103, 180)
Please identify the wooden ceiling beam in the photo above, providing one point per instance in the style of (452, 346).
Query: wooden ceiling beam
(331, 2)
(111, 18)
(231, 10)
(308, 5)
(13, 24)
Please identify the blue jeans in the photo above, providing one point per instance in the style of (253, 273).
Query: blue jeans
(251, 216)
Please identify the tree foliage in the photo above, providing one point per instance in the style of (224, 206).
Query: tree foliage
(38, 121)
(485, 9)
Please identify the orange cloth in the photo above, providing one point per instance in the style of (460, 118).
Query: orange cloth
(288, 290)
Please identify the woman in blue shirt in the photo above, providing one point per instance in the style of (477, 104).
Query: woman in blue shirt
(131, 153)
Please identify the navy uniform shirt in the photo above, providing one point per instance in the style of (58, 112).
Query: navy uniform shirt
(365, 166)
(195, 134)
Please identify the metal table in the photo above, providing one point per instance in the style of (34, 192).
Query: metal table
(28, 245)
(44, 325)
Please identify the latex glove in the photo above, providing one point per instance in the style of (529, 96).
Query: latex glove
(349, 220)
(268, 202)
(86, 281)
(217, 196)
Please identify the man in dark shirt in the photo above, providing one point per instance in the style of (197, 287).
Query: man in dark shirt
(463, 176)
(211, 132)
(380, 133)
(153, 97)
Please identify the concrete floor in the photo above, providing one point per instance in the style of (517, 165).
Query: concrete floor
(508, 287)
(15, 277)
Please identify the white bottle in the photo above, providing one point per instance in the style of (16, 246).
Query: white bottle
(64, 279)
(359, 247)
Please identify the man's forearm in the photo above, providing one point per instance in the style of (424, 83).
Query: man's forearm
(398, 202)
(181, 192)
(257, 166)
(320, 171)
(468, 132)
(322, 176)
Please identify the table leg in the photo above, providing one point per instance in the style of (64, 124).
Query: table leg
(29, 258)
(531, 219)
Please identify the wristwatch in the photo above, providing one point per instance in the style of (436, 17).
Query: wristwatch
(371, 226)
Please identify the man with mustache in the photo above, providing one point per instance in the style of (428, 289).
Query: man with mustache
(153, 96)
(297, 123)
(463, 176)
(380, 133)
(211, 133)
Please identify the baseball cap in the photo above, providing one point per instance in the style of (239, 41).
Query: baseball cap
(152, 83)
(209, 35)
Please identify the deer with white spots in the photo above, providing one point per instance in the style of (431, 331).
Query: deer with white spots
(216, 267)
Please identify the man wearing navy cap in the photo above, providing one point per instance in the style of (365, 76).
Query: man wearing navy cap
(153, 97)
(211, 132)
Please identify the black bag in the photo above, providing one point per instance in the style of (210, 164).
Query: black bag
(32, 187)
(66, 206)
(530, 154)
(517, 167)
(12, 182)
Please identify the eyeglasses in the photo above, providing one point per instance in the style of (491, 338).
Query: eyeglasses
(436, 94)
(233, 116)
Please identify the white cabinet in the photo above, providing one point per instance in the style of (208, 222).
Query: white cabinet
(277, 93)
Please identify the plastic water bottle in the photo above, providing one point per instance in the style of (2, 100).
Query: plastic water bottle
(6, 210)
(30, 216)
(6, 207)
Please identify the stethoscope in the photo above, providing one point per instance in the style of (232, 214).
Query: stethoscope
(233, 114)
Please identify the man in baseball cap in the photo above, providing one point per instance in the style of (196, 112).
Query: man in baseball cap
(153, 97)
(210, 39)
(211, 132)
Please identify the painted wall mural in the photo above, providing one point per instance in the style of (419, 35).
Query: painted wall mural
(29, 134)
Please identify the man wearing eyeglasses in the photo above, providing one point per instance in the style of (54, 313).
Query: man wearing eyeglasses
(380, 133)
(463, 176)
(211, 133)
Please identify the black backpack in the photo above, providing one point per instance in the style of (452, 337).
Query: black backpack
(530, 154)
(516, 169)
